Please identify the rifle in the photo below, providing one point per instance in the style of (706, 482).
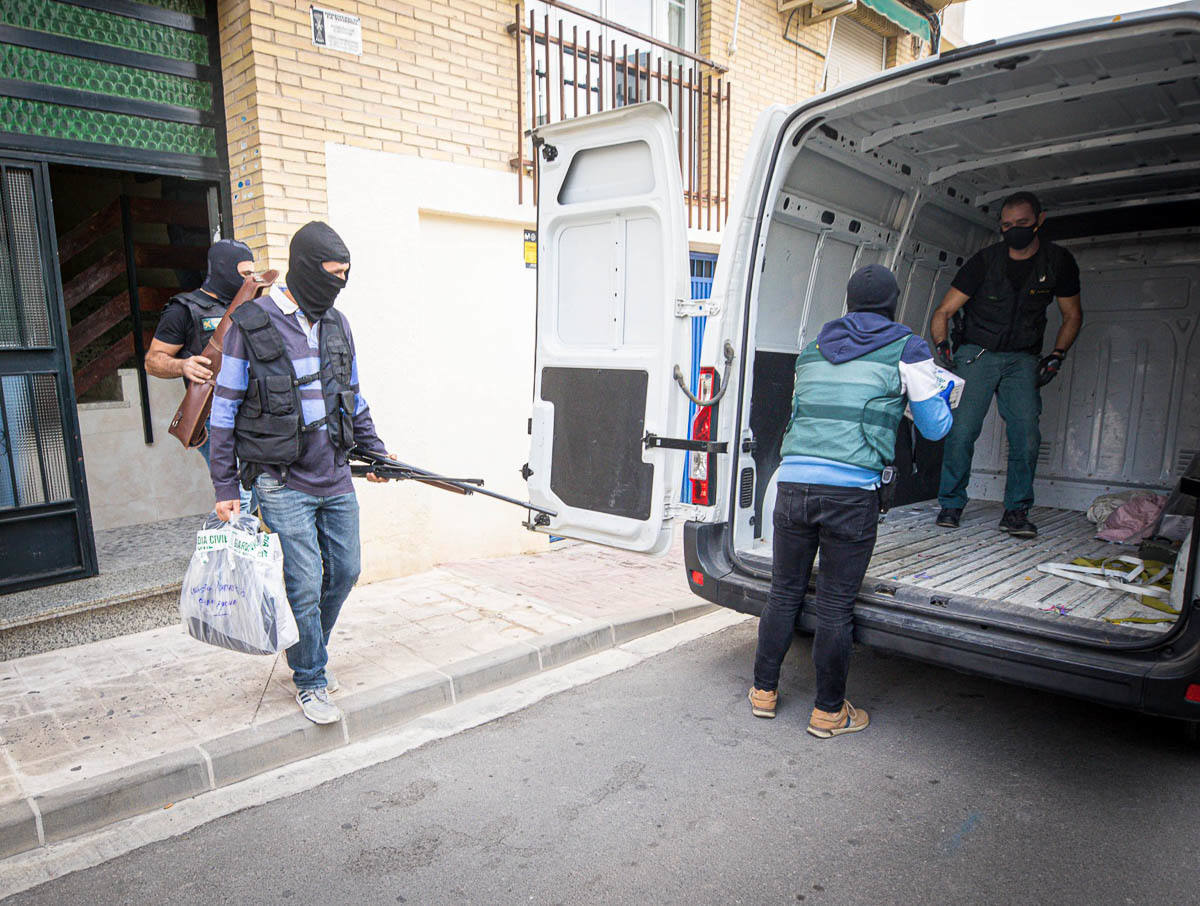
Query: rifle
(384, 467)
(192, 414)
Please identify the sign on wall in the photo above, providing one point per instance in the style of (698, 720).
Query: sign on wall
(336, 31)
(531, 248)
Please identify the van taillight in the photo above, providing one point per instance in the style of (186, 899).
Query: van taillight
(1193, 693)
(702, 463)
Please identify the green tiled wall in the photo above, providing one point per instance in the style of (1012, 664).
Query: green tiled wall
(26, 64)
(70, 67)
(191, 7)
(77, 124)
(86, 24)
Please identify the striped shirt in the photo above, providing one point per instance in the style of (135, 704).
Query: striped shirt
(315, 472)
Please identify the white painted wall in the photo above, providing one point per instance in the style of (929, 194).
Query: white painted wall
(129, 482)
(441, 306)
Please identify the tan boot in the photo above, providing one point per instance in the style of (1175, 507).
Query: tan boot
(762, 704)
(826, 724)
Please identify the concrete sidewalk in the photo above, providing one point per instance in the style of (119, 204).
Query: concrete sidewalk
(81, 727)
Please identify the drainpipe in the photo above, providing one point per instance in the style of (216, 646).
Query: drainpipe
(737, 14)
(828, 50)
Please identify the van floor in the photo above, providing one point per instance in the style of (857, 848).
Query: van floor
(979, 560)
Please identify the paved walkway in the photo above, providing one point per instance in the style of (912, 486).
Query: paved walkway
(81, 712)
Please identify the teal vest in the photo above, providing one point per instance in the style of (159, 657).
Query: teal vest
(847, 413)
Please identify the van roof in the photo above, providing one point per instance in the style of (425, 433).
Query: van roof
(1092, 116)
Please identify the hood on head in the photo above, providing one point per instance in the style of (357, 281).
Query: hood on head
(857, 334)
(223, 279)
(313, 287)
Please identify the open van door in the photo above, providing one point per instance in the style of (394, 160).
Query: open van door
(612, 266)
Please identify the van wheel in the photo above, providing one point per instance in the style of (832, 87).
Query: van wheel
(1191, 731)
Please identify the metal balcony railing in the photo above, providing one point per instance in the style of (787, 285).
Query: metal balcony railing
(564, 73)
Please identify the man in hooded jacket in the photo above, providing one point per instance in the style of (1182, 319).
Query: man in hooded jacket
(285, 414)
(189, 319)
(852, 383)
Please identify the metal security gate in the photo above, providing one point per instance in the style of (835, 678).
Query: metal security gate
(45, 526)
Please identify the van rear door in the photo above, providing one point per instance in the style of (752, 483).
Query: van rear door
(612, 264)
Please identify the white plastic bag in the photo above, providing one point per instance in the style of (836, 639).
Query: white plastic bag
(944, 378)
(233, 594)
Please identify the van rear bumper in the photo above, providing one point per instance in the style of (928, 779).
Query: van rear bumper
(1149, 681)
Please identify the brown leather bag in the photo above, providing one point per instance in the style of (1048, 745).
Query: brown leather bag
(190, 418)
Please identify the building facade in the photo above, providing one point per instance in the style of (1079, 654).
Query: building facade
(131, 133)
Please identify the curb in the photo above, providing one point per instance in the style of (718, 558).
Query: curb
(159, 782)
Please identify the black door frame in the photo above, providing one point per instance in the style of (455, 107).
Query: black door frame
(38, 153)
(36, 361)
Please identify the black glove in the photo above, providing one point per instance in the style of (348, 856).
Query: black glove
(1048, 368)
(944, 356)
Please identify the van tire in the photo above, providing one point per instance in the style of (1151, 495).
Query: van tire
(1191, 731)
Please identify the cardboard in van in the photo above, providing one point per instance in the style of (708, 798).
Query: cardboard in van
(944, 378)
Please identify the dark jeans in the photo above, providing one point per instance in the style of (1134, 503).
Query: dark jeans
(321, 559)
(1011, 377)
(841, 523)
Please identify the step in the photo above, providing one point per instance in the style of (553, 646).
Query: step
(141, 570)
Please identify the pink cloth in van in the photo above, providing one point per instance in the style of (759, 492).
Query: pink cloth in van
(1134, 520)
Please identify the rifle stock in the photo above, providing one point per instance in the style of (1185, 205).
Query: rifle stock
(192, 414)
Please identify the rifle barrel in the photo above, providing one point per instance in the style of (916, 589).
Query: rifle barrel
(386, 467)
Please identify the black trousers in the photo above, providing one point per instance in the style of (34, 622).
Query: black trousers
(841, 523)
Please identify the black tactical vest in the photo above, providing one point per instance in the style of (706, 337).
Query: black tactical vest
(206, 314)
(270, 427)
(1003, 319)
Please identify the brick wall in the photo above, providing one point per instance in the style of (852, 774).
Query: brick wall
(436, 80)
(765, 69)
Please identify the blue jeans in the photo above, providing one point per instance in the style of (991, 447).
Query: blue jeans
(321, 562)
(1011, 377)
(842, 524)
(247, 497)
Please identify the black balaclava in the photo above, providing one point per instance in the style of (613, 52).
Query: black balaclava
(873, 288)
(223, 279)
(313, 287)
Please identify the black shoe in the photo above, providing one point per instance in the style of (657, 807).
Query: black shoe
(949, 516)
(1017, 524)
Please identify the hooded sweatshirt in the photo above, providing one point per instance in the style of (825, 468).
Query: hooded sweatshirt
(849, 338)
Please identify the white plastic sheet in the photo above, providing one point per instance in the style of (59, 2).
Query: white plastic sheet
(233, 594)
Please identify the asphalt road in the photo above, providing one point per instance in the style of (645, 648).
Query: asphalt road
(656, 785)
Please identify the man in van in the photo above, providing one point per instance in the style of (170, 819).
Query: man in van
(851, 386)
(288, 409)
(1003, 293)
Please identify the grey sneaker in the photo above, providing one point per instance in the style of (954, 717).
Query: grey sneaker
(317, 707)
(331, 683)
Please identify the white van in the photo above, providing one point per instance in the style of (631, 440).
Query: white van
(1100, 119)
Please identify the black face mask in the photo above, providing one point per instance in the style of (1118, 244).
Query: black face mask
(1019, 237)
(223, 279)
(313, 287)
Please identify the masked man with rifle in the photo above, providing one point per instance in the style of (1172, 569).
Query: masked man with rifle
(191, 317)
(287, 408)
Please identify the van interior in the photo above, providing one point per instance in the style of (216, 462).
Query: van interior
(1104, 126)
